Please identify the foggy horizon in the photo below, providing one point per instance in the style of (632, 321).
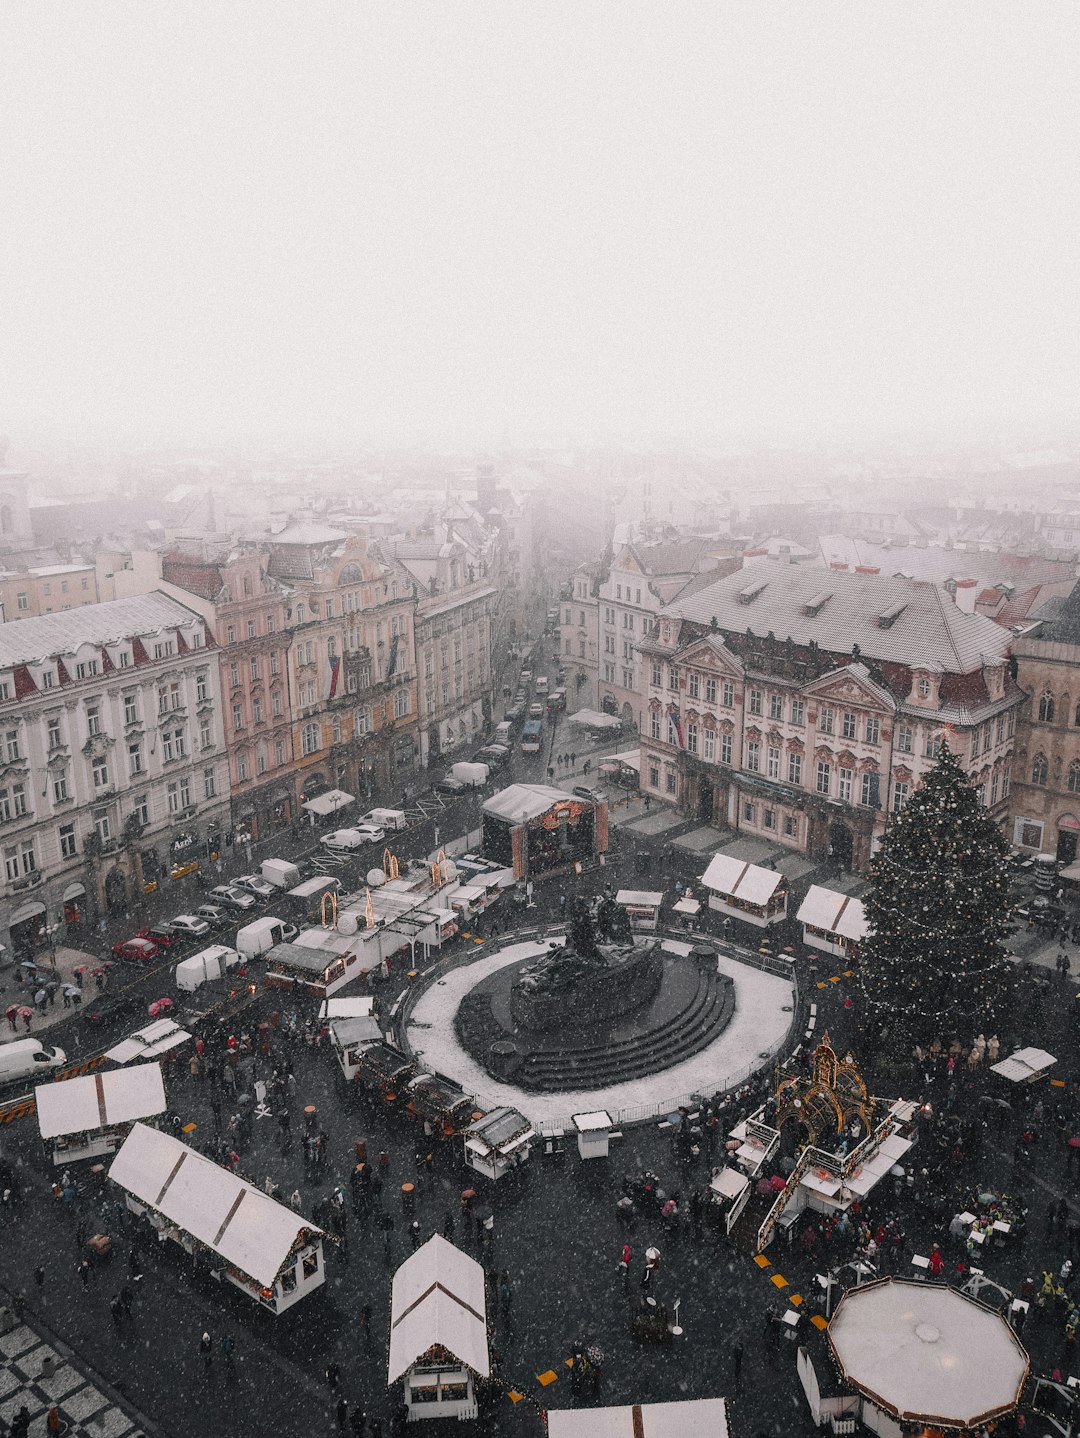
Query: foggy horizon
(478, 228)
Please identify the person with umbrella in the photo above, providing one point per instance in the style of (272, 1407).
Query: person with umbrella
(41, 1000)
(12, 1014)
(26, 1013)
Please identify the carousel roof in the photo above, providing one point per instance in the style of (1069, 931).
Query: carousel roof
(927, 1353)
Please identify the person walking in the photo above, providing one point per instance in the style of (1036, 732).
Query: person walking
(625, 1259)
(365, 1326)
(736, 1363)
(333, 1376)
(39, 1279)
(228, 1349)
(83, 1270)
(358, 1422)
(341, 1414)
(206, 1348)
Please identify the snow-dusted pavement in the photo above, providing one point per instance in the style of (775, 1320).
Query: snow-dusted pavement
(758, 1027)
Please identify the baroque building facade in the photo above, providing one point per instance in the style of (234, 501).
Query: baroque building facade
(814, 739)
(113, 770)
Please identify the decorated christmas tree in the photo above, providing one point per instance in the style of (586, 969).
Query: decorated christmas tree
(934, 964)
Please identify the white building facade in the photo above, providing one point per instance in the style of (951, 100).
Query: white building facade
(113, 771)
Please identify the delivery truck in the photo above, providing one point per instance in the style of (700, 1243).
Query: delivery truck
(263, 934)
(204, 967)
(473, 775)
(281, 873)
(386, 819)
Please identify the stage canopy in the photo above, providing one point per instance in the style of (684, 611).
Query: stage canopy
(518, 803)
(330, 802)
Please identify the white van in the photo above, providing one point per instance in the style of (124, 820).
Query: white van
(28, 1058)
(473, 775)
(541, 684)
(503, 732)
(262, 934)
(281, 873)
(386, 819)
(203, 967)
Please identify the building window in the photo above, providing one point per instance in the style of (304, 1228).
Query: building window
(850, 725)
(251, 629)
(87, 670)
(103, 827)
(924, 688)
(755, 701)
(768, 818)
(825, 720)
(275, 663)
(753, 756)
(748, 812)
(873, 731)
(93, 720)
(1040, 769)
(628, 679)
(172, 795)
(654, 724)
(691, 738)
(905, 739)
(310, 739)
(230, 634)
(843, 785)
(995, 785)
(727, 693)
(135, 763)
(824, 775)
(100, 772)
(975, 743)
(693, 686)
(48, 679)
(22, 602)
(708, 746)
(60, 787)
(68, 843)
(654, 776)
(869, 793)
(933, 745)
(899, 796)
(257, 710)
(54, 739)
(279, 752)
(131, 709)
(142, 810)
(1074, 777)
(234, 674)
(1006, 780)
(725, 748)
(798, 712)
(776, 706)
(206, 734)
(275, 703)
(794, 768)
(669, 782)
(164, 650)
(260, 761)
(673, 676)
(772, 762)
(566, 647)
(209, 783)
(237, 716)
(1046, 708)
(791, 826)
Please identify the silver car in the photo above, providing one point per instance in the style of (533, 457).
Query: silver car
(189, 926)
(254, 884)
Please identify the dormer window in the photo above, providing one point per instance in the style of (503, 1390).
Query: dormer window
(752, 591)
(924, 688)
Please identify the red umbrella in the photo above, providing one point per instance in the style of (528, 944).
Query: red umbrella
(80, 969)
(763, 1188)
(1074, 1142)
(777, 1183)
(11, 1011)
(24, 1011)
(160, 1006)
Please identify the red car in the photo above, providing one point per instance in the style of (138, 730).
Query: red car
(159, 934)
(139, 950)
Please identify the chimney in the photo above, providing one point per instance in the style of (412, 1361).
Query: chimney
(966, 592)
(866, 569)
(838, 564)
(753, 556)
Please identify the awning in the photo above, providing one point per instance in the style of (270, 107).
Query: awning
(330, 802)
(639, 898)
(32, 910)
(593, 719)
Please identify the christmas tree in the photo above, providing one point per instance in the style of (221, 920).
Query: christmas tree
(934, 964)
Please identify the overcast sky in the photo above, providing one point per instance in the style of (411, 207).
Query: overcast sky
(366, 221)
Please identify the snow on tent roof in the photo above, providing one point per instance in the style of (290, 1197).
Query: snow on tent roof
(691, 1418)
(438, 1297)
(155, 1038)
(739, 879)
(835, 913)
(593, 719)
(97, 1100)
(520, 802)
(221, 1210)
(1024, 1064)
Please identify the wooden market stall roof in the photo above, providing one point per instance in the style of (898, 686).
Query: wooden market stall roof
(690, 1418)
(740, 879)
(1024, 1064)
(223, 1211)
(833, 913)
(438, 1300)
(98, 1100)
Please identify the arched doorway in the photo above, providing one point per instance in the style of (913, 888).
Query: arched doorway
(841, 845)
(115, 891)
(74, 904)
(705, 800)
(608, 704)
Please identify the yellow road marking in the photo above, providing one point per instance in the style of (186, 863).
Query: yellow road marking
(780, 1281)
(545, 1378)
(761, 1260)
(795, 1299)
(819, 1322)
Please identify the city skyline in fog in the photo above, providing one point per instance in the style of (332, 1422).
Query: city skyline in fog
(464, 224)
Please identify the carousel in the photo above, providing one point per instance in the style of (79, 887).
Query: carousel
(925, 1354)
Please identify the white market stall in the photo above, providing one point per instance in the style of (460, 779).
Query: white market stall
(642, 907)
(746, 891)
(689, 1418)
(1025, 1065)
(594, 1132)
(498, 1142)
(323, 805)
(438, 1331)
(161, 1037)
(729, 1193)
(271, 1253)
(90, 1116)
(832, 922)
(925, 1353)
(593, 719)
(350, 1037)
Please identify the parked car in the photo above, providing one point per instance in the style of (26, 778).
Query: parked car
(536, 711)
(214, 915)
(254, 884)
(230, 898)
(188, 926)
(138, 951)
(160, 934)
(584, 792)
(342, 840)
(449, 785)
(525, 676)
